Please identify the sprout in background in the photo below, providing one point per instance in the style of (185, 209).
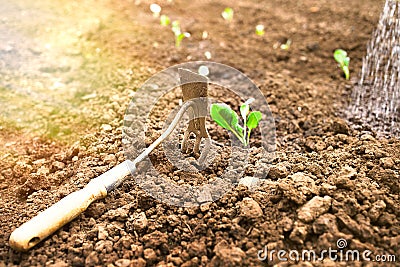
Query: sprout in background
(155, 9)
(260, 30)
(227, 14)
(207, 54)
(179, 35)
(165, 20)
(341, 57)
(286, 45)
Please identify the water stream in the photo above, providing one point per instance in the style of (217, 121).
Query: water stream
(375, 100)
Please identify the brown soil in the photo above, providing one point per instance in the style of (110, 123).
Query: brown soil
(347, 177)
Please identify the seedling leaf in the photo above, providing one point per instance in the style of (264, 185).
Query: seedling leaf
(227, 14)
(340, 55)
(286, 45)
(253, 119)
(176, 27)
(344, 61)
(260, 30)
(179, 35)
(225, 117)
(165, 20)
(244, 110)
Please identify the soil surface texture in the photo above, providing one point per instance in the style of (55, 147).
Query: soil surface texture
(331, 185)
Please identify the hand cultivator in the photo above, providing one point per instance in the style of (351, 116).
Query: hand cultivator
(194, 90)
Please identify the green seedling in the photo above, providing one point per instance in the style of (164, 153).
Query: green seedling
(179, 35)
(341, 57)
(227, 14)
(286, 45)
(225, 117)
(165, 20)
(260, 30)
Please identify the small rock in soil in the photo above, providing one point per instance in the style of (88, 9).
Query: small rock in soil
(175, 260)
(315, 143)
(155, 239)
(58, 165)
(377, 209)
(123, 263)
(150, 254)
(137, 250)
(298, 187)
(106, 127)
(387, 163)
(387, 219)
(197, 249)
(314, 208)
(138, 262)
(286, 223)
(339, 126)
(87, 249)
(226, 255)
(137, 222)
(249, 181)
(344, 178)
(364, 231)
(57, 264)
(124, 242)
(325, 223)
(205, 207)
(104, 246)
(92, 259)
(110, 158)
(249, 208)
(173, 220)
(278, 171)
(299, 233)
(119, 214)
(103, 234)
(367, 137)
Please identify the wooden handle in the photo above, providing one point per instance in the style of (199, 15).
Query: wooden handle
(50, 220)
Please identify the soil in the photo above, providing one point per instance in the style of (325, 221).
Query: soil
(330, 180)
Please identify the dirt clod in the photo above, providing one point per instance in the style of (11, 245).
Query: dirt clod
(314, 208)
(249, 208)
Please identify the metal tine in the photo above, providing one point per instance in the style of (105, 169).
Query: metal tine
(195, 88)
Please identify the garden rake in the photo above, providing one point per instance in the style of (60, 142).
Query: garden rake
(194, 90)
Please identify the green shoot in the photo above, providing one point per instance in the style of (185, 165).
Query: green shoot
(165, 20)
(179, 35)
(341, 57)
(252, 122)
(286, 45)
(227, 14)
(260, 30)
(225, 117)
